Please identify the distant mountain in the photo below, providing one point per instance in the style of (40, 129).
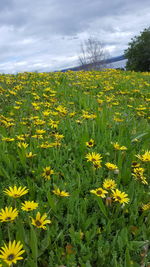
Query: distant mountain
(107, 61)
(115, 59)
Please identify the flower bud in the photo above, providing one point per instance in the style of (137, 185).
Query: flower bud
(116, 171)
(108, 201)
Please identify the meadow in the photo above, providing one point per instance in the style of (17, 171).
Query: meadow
(75, 169)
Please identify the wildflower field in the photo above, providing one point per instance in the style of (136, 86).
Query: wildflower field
(75, 169)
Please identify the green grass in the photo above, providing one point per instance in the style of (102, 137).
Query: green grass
(84, 231)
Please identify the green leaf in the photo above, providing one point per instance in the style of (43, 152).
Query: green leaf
(22, 158)
(127, 258)
(88, 264)
(45, 243)
(31, 263)
(20, 234)
(102, 206)
(134, 245)
(33, 244)
(4, 173)
(139, 136)
(51, 202)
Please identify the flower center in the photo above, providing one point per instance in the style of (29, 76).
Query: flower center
(8, 218)
(16, 195)
(99, 192)
(10, 257)
(108, 186)
(38, 223)
(119, 198)
(134, 164)
(48, 172)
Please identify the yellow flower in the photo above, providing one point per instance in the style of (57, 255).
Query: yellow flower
(53, 124)
(8, 214)
(29, 205)
(93, 157)
(71, 114)
(40, 131)
(123, 148)
(118, 147)
(38, 136)
(90, 143)
(109, 184)
(40, 221)
(30, 155)
(97, 165)
(16, 192)
(56, 144)
(46, 113)
(146, 206)
(111, 166)
(60, 193)
(47, 173)
(39, 122)
(100, 192)
(118, 119)
(7, 139)
(62, 110)
(11, 253)
(119, 196)
(16, 107)
(22, 145)
(46, 145)
(79, 121)
(20, 137)
(138, 174)
(58, 136)
(145, 157)
(135, 164)
(86, 115)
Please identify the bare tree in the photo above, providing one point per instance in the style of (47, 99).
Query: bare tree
(92, 55)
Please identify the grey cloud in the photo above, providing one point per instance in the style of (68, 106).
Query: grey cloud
(47, 33)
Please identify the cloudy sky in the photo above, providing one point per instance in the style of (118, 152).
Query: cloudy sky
(45, 35)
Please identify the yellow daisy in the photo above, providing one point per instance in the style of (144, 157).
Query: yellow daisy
(109, 184)
(138, 174)
(118, 147)
(40, 131)
(11, 253)
(47, 173)
(8, 214)
(97, 164)
(60, 193)
(29, 205)
(16, 192)
(93, 157)
(146, 206)
(30, 155)
(111, 166)
(40, 221)
(119, 196)
(145, 157)
(22, 145)
(90, 143)
(58, 136)
(135, 164)
(100, 192)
